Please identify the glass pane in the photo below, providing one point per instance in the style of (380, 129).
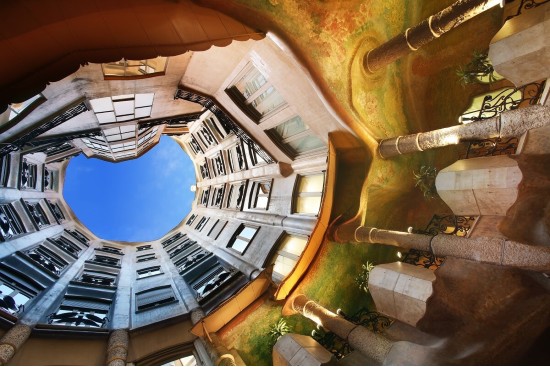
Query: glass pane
(283, 265)
(261, 203)
(306, 144)
(268, 101)
(248, 232)
(20, 299)
(251, 82)
(294, 245)
(290, 128)
(124, 108)
(127, 129)
(239, 245)
(312, 183)
(143, 112)
(106, 117)
(144, 99)
(308, 204)
(101, 104)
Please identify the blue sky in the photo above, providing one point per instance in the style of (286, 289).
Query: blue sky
(137, 200)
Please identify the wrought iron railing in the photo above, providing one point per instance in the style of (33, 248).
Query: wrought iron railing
(340, 347)
(525, 5)
(456, 225)
(505, 100)
(491, 147)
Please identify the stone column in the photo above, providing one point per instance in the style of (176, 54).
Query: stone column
(428, 30)
(497, 251)
(217, 352)
(13, 340)
(507, 124)
(117, 348)
(372, 345)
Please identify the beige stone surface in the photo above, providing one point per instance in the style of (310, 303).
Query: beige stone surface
(401, 290)
(520, 50)
(300, 350)
(480, 186)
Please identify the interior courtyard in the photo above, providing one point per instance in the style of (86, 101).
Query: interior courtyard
(372, 183)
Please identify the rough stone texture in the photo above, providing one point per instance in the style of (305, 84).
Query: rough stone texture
(12, 340)
(480, 186)
(521, 49)
(482, 249)
(401, 290)
(535, 258)
(300, 350)
(197, 314)
(494, 325)
(519, 121)
(372, 345)
(394, 238)
(117, 349)
(528, 220)
(7, 351)
(536, 141)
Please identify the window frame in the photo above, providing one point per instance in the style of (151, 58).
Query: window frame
(254, 194)
(133, 77)
(296, 194)
(236, 236)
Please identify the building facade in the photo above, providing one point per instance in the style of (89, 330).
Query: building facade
(284, 166)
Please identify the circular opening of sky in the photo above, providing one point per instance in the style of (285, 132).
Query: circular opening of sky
(136, 200)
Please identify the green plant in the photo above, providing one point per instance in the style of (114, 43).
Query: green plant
(279, 329)
(362, 279)
(479, 67)
(425, 181)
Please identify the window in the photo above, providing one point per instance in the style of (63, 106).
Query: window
(218, 165)
(37, 214)
(144, 247)
(10, 222)
(123, 107)
(192, 260)
(17, 111)
(154, 297)
(217, 228)
(295, 138)
(253, 155)
(214, 125)
(235, 197)
(97, 278)
(111, 249)
(253, 93)
(28, 175)
(4, 170)
(242, 238)
(106, 260)
(237, 161)
(148, 272)
(79, 236)
(287, 255)
(195, 147)
(47, 259)
(134, 69)
(13, 297)
(212, 281)
(260, 192)
(49, 179)
(206, 136)
(190, 220)
(309, 190)
(202, 223)
(56, 210)
(66, 245)
(204, 197)
(79, 311)
(176, 236)
(217, 196)
(204, 170)
(146, 257)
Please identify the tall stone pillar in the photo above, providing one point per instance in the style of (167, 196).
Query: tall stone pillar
(117, 347)
(13, 340)
(428, 30)
(508, 124)
(497, 251)
(217, 351)
(372, 345)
